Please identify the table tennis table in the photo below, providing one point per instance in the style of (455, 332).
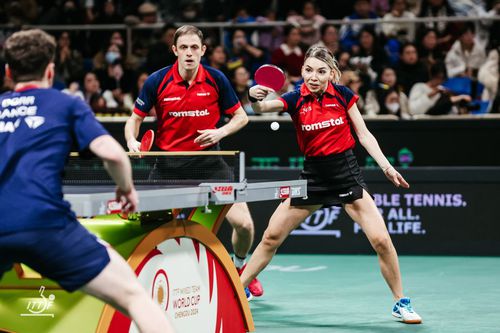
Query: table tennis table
(181, 263)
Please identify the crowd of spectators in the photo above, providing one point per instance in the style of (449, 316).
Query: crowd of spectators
(402, 68)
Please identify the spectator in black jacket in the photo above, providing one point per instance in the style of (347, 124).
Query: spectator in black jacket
(160, 54)
(410, 70)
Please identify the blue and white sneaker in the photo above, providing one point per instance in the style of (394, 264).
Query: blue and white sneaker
(405, 313)
(248, 294)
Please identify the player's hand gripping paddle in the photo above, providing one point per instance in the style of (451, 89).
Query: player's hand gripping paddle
(270, 76)
(147, 140)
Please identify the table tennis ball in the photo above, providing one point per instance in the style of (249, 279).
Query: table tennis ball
(275, 126)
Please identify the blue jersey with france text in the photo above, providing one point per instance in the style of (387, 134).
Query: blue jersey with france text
(37, 129)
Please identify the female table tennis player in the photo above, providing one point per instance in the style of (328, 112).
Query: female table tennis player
(322, 113)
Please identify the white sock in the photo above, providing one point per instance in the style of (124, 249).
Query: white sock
(239, 262)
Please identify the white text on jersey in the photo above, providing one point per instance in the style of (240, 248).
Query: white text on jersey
(195, 113)
(322, 124)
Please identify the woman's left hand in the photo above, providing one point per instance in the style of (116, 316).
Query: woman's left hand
(395, 177)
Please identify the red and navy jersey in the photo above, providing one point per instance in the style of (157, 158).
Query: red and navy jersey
(183, 109)
(322, 124)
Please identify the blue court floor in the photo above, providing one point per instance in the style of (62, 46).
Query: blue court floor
(328, 293)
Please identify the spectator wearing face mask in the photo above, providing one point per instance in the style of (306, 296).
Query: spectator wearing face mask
(389, 101)
(116, 80)
(386, 83)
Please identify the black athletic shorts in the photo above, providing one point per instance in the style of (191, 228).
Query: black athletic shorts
(332, 180)
(187, 169)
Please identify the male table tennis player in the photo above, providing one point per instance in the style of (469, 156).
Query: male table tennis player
(37, 227)
(189, 99)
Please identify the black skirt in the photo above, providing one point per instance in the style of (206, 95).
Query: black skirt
(332, 180)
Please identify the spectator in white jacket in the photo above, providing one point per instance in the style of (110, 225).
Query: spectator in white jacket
(430, 97)
(466, 55)
(488, 74)
(404, 31)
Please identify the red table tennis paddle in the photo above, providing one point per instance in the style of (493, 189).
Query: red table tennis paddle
(147, 140)
(270, 76)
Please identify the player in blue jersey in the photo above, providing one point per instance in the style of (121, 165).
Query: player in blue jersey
(37, 227)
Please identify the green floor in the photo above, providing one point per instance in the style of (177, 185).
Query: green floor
(325, 293)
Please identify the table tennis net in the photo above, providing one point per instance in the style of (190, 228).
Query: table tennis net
(161, 168)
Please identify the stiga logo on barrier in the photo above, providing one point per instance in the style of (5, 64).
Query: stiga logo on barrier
(319, 222)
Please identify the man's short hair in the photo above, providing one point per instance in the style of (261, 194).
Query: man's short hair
(187, 30)
(28, 53)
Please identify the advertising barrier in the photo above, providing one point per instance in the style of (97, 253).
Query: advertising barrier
(446, 211)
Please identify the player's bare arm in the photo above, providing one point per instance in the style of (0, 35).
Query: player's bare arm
(132, 127)
(259, 93)
(210, 137)
(118, 166)
(369, 142)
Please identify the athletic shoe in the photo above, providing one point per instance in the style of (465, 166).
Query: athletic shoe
(248, 294)
(405, 313)
(255, 286)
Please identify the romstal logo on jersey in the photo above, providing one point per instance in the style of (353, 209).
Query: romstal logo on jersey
(16, 108)
(322, 124)
(192, 113)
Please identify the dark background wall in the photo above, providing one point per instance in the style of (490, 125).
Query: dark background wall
(460, 142)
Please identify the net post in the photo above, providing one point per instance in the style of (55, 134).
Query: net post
(242, 167)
